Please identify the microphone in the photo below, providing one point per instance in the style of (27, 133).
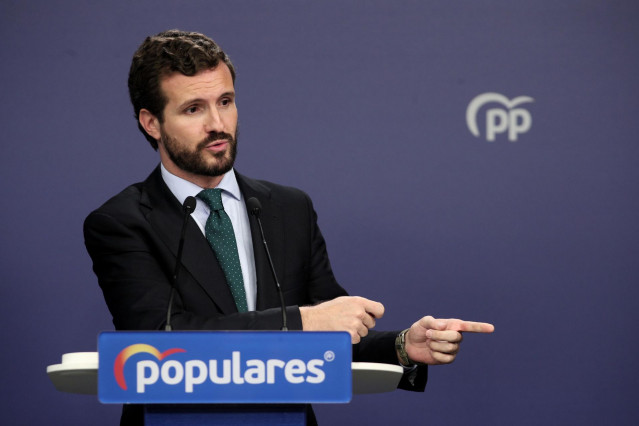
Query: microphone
(187, 208)
(255, 208)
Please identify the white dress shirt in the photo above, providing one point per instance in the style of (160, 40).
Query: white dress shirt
(235, 208)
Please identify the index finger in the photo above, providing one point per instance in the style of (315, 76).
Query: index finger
(470, 326)
(374, 309)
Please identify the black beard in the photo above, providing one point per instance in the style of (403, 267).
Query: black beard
(193, 161)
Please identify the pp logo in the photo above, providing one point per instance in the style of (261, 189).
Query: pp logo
(501, 119)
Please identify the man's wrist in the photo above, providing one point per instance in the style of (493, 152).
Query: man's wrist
(304, 315)
(400, 348)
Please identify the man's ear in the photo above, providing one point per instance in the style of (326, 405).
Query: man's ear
(149, 123)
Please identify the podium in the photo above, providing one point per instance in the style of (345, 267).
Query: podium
(222, 377)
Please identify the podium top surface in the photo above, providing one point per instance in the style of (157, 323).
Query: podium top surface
(78, 373)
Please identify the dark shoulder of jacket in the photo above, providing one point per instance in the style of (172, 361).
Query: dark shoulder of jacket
(128, 196)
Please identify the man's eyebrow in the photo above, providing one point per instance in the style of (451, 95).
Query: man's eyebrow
(187, 102)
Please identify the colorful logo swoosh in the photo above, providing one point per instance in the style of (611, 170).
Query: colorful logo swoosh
(129, 351)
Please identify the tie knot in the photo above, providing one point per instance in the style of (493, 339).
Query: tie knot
(212, 198)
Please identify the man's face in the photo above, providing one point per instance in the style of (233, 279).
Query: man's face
(199, 132)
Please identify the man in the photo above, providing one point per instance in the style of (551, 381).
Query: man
(182, 89)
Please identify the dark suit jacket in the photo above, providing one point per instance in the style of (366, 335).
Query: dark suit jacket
(133, 239)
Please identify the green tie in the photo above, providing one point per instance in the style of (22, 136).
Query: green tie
(221, 238)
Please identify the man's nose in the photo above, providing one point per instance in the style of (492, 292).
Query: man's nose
(214, 121)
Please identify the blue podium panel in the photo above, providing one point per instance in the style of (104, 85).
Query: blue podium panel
(224, 367)
(224, 415)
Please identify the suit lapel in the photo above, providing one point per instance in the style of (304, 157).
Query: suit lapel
(267, 296)
(165, 216)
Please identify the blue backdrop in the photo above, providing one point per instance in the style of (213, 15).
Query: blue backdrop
(363, 104)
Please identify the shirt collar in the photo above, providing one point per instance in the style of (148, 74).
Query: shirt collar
(182, 188)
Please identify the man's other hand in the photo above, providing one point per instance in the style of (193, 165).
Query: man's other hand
(353, 314)
(436, 341)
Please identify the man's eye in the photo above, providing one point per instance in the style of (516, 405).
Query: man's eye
(191, 110)
(225, 102)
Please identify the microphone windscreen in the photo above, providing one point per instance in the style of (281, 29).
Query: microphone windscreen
(189, 205)
(254, 206)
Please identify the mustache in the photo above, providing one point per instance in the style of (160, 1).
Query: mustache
(215, 136)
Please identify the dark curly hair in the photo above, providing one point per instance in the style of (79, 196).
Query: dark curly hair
(161, 55)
